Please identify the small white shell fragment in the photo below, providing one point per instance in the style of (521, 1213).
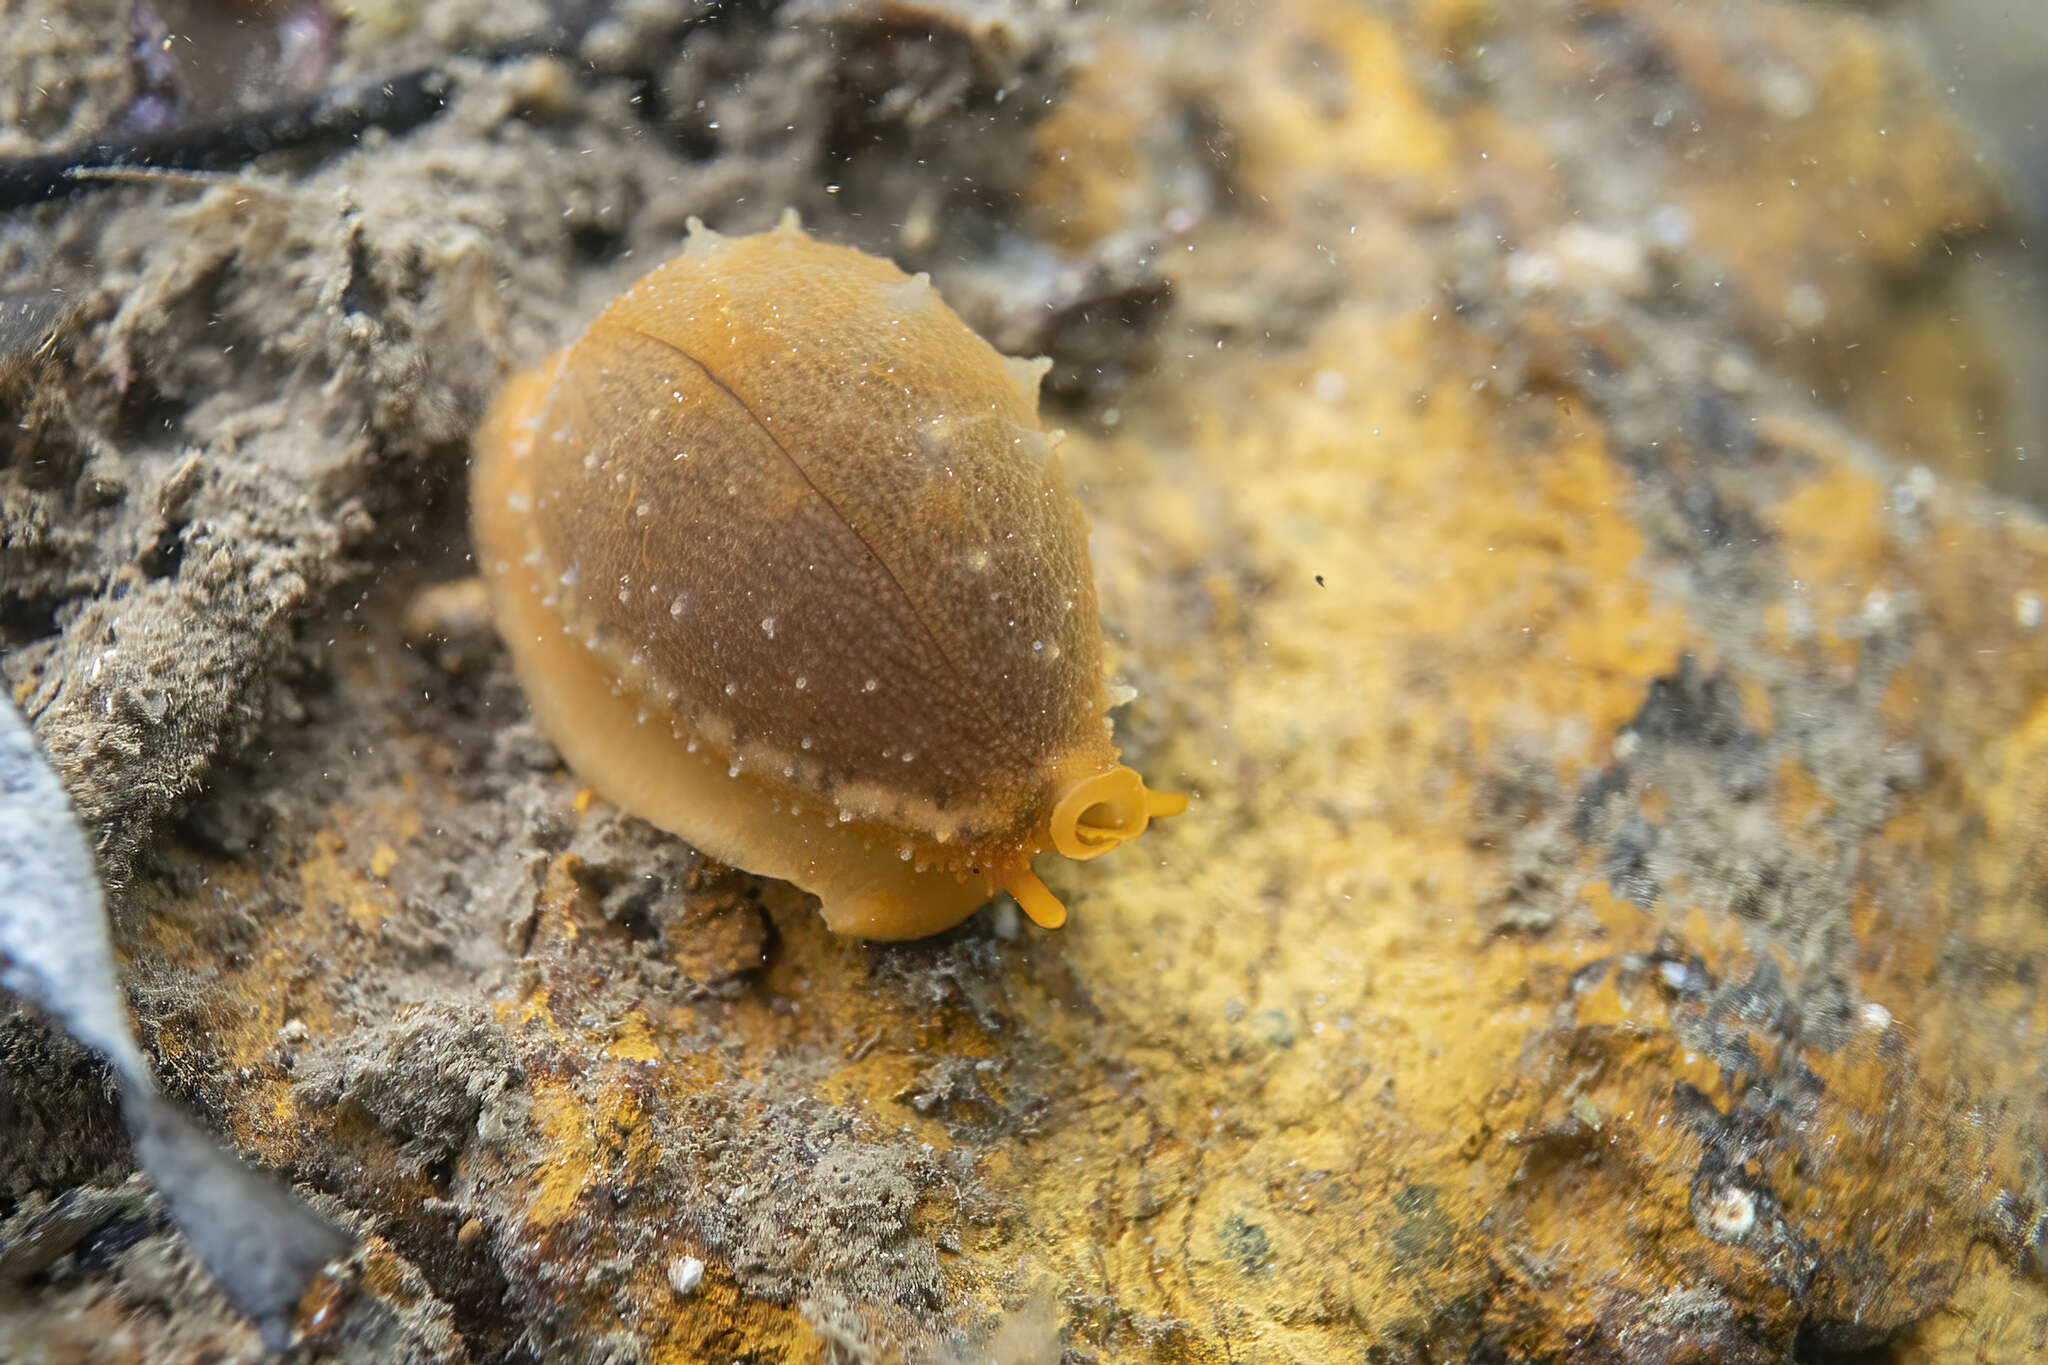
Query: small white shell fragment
(685, 1273)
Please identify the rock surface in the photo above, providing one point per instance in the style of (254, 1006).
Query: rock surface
(1533, 459)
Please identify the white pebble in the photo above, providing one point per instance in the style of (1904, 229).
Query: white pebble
(1731, 1213)
(685, 1273)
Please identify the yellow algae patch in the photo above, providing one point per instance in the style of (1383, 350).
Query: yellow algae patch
(1995, 1317)
(634, 1040)
(1833, 531)
(894, 1074)
(1437, 581)
(561, 896)
(1952, 864)
(529, 1009)
(1469, 589)
(1454, 26)
(278, 988)
(1822, 169)
(717, 1314)
(1929, 386)
(568, 1161)
(328, 879)
(2014, 799)
(1086, 183)
(1445, 535)
(1340, 106)
(1843, 160)
(2002, 812)
(367, 915)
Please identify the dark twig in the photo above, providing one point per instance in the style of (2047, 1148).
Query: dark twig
(335, 117)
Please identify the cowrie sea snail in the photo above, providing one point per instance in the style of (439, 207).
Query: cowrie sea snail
(788, 567)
